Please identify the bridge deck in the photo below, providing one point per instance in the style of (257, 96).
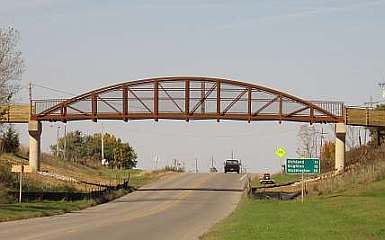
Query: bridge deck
(20, 113)
(364, 117)
(15, 113)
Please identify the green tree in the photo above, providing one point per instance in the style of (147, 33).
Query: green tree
(327, 156)
(74, 143)
(11, 64)
(10, 140)
(86, 148)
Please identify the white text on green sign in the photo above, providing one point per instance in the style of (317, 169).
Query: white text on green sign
(305, 165)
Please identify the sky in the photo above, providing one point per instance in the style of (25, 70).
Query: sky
(316, 50)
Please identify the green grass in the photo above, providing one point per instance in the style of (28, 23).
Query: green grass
(355, 214)
(15, 211)
(9, 210)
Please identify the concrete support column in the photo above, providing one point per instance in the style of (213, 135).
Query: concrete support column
(340, 147)
(34, 129)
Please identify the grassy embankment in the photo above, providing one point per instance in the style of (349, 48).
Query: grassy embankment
(358, 213)
(345, 206)
(279, 179)
(11, 210)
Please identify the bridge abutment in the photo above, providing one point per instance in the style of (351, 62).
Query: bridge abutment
(340, 147)
(34, 130)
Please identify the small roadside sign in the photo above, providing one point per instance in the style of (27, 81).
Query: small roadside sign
(16, 168)
(21, 169)
(280, 152)
(27, 169)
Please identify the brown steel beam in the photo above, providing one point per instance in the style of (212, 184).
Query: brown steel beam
(297, 111)
(140, 100)
(94, 102)
(311, 115)
(234, 101)
(280, 113)
(265, 106)
(125, 102)
(203, 93)
(156, 100)
(187, 99)
(249, 102)
(64, 113)
(170, 97)
(80, 111)
(203, 99)
(218, 100)
(182, 116)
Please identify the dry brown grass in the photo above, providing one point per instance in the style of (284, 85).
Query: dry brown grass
(364, 165)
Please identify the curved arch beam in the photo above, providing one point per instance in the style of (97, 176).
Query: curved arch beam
(187, 98)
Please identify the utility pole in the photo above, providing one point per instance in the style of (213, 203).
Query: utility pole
(21, 182)
(382, 86)
(322, 133)
(102, 139)
(57, 141)
(65, 142)
(196, 165)
(370, 105)
(156, 161)
(30, 98)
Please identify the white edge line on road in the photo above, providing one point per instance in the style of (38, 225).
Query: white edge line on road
(243, 177)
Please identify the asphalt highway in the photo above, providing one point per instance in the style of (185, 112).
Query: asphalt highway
(181, 207)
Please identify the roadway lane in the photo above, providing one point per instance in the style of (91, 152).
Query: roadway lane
(170, 209)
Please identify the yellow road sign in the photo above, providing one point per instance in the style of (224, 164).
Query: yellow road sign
(280, 152)
(21, 168)
(27, 169)
(16, 168)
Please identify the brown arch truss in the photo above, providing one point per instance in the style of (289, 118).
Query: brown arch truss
(187, 98)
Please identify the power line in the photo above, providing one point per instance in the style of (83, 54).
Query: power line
(53, 89)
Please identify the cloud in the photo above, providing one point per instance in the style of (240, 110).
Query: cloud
(314, 11)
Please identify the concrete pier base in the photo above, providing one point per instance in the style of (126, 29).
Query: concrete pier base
(34, 129)
(340, 147)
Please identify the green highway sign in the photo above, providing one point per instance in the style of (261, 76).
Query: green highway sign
(303, 165)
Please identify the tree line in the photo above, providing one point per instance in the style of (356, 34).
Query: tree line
(83, 148)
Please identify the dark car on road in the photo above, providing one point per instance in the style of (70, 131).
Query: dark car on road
(232, 165)
(266, 179)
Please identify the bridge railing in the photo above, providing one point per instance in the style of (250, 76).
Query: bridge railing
(114, 105)
(186, 98)
(334, 107)
(41, 105)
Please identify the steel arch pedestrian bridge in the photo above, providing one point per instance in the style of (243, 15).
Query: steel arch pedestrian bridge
(187, 98)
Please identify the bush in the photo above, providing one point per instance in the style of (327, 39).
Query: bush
(7, 179)
(4, 196)
(173, 169)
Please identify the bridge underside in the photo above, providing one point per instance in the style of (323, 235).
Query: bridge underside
(187, 98)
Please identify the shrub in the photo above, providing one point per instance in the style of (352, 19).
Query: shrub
(10, 140)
